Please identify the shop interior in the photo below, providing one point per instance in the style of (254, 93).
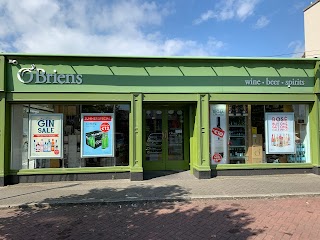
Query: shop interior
(71, 136)
(247, 138)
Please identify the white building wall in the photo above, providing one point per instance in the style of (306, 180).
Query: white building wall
(312, 30)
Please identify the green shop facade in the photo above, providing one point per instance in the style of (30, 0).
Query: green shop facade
(209, 116)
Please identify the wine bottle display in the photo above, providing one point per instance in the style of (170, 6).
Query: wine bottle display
(218, 143)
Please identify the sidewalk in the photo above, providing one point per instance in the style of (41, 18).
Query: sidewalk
(180, 186)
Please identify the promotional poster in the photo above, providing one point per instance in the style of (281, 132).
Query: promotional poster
(97, 135)
(45, 136)
(280, 133)
(218, 134)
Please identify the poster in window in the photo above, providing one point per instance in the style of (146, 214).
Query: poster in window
(218, 135)
(280, 133)
(45, 136)
(97, 135)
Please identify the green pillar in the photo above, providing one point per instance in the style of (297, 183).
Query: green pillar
(2, 121)
(136, 138)
(201, 166)
(314, 124)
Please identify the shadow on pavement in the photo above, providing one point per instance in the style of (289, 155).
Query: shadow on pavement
(130, 220)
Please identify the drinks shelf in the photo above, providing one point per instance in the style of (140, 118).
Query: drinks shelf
(238, 120)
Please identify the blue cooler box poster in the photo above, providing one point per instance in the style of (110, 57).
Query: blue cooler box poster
(97, 135)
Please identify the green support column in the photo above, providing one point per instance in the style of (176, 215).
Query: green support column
(2, 121)
(314, 124)
(136, 138)
(2, 138)
(314, 127)
(202, 164)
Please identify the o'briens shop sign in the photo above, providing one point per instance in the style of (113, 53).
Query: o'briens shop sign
(25, 75)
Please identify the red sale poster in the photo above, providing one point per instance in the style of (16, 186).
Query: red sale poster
(280, 137)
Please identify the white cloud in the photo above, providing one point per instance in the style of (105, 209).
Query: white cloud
(229, 9)
(205, 17)
(261, 22)
(125, 27)
(297, 48)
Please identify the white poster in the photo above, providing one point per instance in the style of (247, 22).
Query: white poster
(45, 136)
(218, 134)
(280, 137)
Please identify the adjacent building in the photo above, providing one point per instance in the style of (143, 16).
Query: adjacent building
(311, 30)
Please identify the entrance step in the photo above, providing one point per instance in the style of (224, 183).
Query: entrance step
(167, 175)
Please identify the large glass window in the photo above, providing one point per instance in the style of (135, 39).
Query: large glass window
(71, 136)
(255, 134)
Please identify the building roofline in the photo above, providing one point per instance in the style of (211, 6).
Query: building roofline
(196, 58)
(311, 5)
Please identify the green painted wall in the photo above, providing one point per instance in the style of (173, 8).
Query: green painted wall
(2, 74)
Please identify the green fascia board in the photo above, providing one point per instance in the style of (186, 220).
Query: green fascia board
(2, 74)
(123, 75)
(160, 68)
(168, 75)
(161, 84)
(160, 97)
(200, 71)
(70, 97)
(317, 78)
(261, 166)
(263, 97)
(71, 170)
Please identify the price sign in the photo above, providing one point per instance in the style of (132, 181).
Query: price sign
(218, 132)
(105, 127)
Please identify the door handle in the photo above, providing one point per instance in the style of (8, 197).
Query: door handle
(165, 135)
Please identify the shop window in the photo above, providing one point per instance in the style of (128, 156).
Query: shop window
(253, 134)
(71, 136)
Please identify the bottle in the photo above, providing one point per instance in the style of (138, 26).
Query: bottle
(219, 141)
(273, 141)
(49, 146)
(37, 147)
(281, 140)
(218, 122)
(45, 147)
(41, 146)
(92, 141)
(105, 141)
(52, 145)
(34, 146)
(56, 145)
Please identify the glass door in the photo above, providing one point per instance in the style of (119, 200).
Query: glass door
(154, 139)
(166, 139)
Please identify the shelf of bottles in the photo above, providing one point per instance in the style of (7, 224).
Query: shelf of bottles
(300, 156)
(237, 133)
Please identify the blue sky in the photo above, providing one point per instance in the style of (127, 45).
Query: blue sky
(241, 28)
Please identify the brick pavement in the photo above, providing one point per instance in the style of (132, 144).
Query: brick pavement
(279, 218)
